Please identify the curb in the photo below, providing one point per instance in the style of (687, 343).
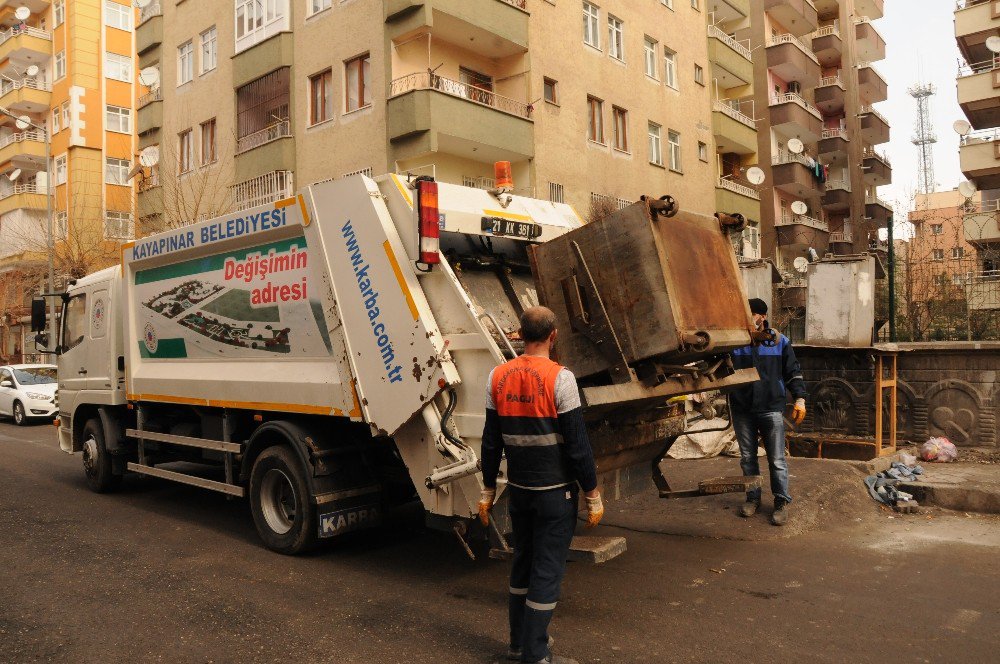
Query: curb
(963, 498)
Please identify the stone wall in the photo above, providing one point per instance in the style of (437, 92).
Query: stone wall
(945, 389)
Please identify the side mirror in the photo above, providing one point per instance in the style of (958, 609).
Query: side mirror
(6, 383)
(38, 315)
(42, 343)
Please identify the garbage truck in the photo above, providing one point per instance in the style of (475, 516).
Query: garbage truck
(326, 356)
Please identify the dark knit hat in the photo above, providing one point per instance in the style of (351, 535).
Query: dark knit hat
(758, 306)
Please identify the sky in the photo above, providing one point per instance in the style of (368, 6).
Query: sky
(920, 46)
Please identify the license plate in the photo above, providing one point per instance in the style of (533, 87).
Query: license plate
(508, 228)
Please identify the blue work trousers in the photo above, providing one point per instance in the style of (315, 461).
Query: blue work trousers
(543, 523)
(771, 428)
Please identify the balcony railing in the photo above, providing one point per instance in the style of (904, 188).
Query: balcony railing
(845, 236)
(262, 190)
(31, 83)
(875, 200)
(875, 154)
(266, 135)
(715, 31)
(467, 91)
(150, 97)
(966, 69)
(831, 80)
(826, 31)
(838, 184)
(865, 110)
(981, 136)
(965, 4)
(149, 11)
(794, 98)
(151, 181)
(22, 189)
(520, 4)
(18, 30)
(737, 188)
(973, 207)
(834, 133)
(789, 219)
(788, 38)
(793, 282)
(31, 135)
(791, 158)
(721, 106)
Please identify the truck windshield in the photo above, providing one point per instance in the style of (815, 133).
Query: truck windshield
(35, 376)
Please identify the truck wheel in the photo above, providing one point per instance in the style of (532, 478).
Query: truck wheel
(97, 466)
(20, 417)
(279, 501)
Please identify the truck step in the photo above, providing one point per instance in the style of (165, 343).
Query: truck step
(583, 549)
(188, 441)
(222, 487)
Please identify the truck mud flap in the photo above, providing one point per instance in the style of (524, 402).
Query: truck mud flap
(340, 512)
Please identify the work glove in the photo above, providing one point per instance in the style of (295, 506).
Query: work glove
(799, 411)
(486, 504)
(595, 510)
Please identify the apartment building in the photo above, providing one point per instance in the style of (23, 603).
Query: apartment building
(593, 103)
(67, 73)
(815, 88)
(978, 84)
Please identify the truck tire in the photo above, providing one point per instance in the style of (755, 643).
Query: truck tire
(20, 416)
(97, 463)
(279, 501)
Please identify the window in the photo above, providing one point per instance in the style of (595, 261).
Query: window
(695, 4)
(655, 149)
(117, 16)
(476, 85)
(649, 56)
(65, 114)
(119, 119)
(59, 12)
(556, 193)
(185, 151)
(185, 62)
(117, 225)
(937, 229)
(667, 3)
(958, 252)
(620, 117)
(60, 169)
(321, 97)
(55, 121)
(262, 110)
(938, 254)
(208, 150)
(357, 82)
(699, 75)
(74, 321)
(60, 65)
(595, 108)
(591, 18)
(256, 20)
(549, 90)
(702, 151)
(616, 38)
(670, 68)
(118, 67)
(674, 139)
(116, 171)
(209, 50)
(319, 5)
(61, 229)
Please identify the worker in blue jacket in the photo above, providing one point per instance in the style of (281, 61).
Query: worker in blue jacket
(758, 410)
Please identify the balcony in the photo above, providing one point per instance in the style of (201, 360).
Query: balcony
(874, 126)
(25, 43)
(975, 22)
(732, 197)
(24, 149)
(149, 31)
(842, 241)
(793, 291)
(149, 117)
(263, 190)
(872, 87)
(876, 167)
(498, 28)
(837, 197)
(273, 132)
(873, 9)
(870, 44)
(981, 225)
(982, 292)
(792, 174)
(734, 131)
(802, 231)
(793, 116)
(979, 92)
(833, 146)
(430, 113)
(731, 59)
(830, 95)
(729, 11)
(23, 196)
(791, 60)
(798, 16)
(827, 45)
(877, 210)
(979, 158)
(29, 95)
(153, 95)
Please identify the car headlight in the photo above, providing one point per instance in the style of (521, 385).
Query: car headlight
(36, 395)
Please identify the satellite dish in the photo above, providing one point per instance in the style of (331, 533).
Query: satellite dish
(962, 127)
(150, 156)
(14, 174)
(142, 4)
(149, 76)
(967, 189)
(23, 122)
(22, 13)
(801, 264)
(32, 70)
(993, 44)
(755, 175)
(799, 207)
(795, 146)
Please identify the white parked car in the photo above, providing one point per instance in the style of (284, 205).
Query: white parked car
(28, 391)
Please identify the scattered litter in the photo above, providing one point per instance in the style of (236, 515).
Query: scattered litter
(717, 571)
(907, 459)
(882, 486)
(939, 449)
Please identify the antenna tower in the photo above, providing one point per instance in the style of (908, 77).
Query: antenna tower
(924, 137)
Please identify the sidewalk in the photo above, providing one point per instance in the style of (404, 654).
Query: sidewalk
(968, 487)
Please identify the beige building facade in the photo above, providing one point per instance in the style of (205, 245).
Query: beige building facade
(593, 103)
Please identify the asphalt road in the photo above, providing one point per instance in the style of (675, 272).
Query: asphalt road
(159, 572)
